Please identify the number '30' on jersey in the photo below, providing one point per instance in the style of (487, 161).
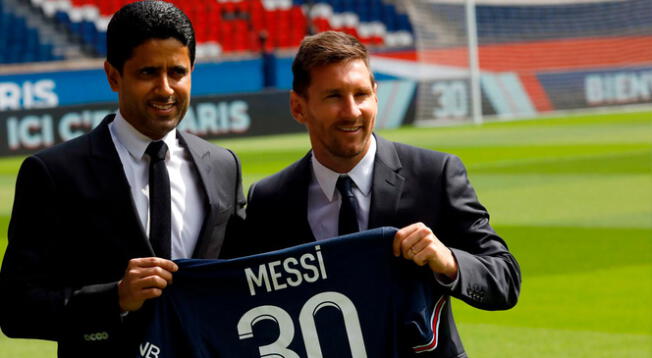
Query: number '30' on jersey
(342, 297)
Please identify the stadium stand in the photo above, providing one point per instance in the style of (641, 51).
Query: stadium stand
(222, 26)
(21, 42)
(571, 20)
(27, 35)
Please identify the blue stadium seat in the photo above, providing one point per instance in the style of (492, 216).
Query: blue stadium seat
(20, 43)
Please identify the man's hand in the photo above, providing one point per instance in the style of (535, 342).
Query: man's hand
(417, 242)
(144, 278)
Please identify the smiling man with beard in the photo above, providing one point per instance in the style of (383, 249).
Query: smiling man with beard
(353, 180)
(97, 220)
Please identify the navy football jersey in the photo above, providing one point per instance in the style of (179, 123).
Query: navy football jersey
(342, 297)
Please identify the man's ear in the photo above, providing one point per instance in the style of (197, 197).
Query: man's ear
(376, 91)
(112, 75)
(297, 107)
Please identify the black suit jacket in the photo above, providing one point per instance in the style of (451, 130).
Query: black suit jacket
(409, 185)
(73, 229)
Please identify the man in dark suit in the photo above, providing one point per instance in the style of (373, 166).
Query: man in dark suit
(353, 174)
(97, 220)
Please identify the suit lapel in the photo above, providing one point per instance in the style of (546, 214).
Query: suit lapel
(201, 157)
(112, 182)
(387, 184)
(297, 194)
(279, 202)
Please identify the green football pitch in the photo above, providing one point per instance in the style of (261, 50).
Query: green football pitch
(572, 197)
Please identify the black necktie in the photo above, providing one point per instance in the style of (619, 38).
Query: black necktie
(348, 220)
(160, 227)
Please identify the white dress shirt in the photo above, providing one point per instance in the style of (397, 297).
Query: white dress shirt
(185, 187)
(324, 200)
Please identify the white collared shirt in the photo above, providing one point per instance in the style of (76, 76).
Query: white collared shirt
(185, 187)
(324, 200)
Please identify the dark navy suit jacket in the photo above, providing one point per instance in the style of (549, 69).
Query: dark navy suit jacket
(409, 185)
(74, 228)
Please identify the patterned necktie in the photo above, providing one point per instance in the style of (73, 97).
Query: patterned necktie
(348, 219)
(160, 227)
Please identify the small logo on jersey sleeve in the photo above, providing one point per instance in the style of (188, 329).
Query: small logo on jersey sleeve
(149, 350)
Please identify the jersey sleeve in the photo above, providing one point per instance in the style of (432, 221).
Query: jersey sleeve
(424, 307)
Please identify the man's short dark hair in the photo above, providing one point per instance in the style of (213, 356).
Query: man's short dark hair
(322, 49)
(140, 21)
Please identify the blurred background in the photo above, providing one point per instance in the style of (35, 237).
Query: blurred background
(548, 103)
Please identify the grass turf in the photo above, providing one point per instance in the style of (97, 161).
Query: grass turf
(572, 197)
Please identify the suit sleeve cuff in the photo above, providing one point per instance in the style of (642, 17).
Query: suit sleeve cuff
(92, 309)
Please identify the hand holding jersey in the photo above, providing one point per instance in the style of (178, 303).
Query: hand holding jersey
(144, 278)
(417, 242)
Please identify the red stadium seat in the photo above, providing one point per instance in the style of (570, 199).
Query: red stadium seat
(239, 25)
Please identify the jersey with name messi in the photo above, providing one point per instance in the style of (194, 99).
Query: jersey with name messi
(342, 297)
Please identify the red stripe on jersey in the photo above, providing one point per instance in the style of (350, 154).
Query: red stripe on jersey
(434, 324)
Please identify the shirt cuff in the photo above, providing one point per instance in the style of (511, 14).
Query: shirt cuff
(445, 281)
